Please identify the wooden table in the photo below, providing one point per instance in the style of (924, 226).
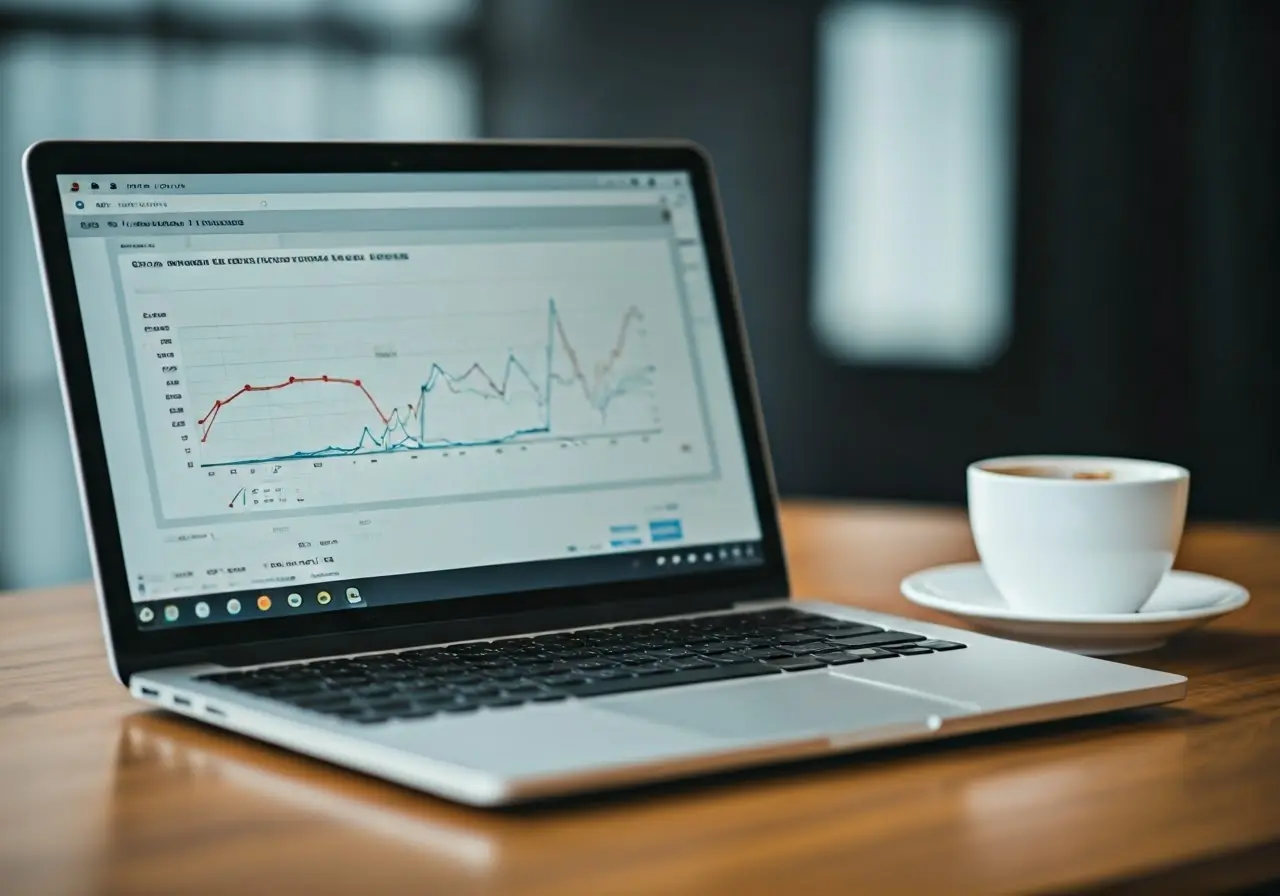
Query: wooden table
(98, 795)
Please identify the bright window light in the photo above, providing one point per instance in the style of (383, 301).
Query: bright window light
(913, 228)
(144, 86)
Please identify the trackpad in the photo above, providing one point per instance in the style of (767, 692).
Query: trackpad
(781, 706)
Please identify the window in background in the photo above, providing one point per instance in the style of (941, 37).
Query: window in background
(913, 230)
(225, 69)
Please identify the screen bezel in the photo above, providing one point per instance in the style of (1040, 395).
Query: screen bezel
(133, 649)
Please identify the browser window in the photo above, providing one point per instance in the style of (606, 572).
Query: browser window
(315, 388)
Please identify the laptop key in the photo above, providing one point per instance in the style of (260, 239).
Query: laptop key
(535, 669)
(568, 678)
(714, 647)
(346, 681)
(323, 701)
(794, 638)
(523, 693)
(837, 658)
(580, 654)
(689, 663)
(486, 688)
(373, 692)
(910, 651)
(767, 653)
(702, 638)
(591, 665)
(805, 648)
(613, 648)
(872, 653)
(633, 659)
(649, 670)
(461, 678)
(796, 664)
(429, 695)
(941, 645)
(652, 682)
(289, 693)
(878, 639)
(844, 630)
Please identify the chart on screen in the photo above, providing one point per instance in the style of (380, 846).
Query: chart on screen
(309, 380)
(431, 399)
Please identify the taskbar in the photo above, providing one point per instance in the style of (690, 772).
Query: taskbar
(279, 600)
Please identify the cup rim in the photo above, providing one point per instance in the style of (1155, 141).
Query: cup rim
(1172, 472)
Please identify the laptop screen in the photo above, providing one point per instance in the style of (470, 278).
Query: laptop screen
(327, 392)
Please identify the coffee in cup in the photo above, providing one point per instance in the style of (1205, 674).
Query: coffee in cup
(1051, 472)
(1063, 535)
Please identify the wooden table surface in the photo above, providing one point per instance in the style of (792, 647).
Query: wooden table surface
(100, 795)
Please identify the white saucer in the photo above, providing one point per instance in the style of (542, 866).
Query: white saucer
(1182, 601)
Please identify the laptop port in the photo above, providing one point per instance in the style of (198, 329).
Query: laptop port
(148, 692)
(181, 701)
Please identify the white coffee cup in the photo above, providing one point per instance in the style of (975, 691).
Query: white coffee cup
(1054, 543)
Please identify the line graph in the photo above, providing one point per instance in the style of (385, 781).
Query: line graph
(452, 372)
(211, 417)
(407, 427)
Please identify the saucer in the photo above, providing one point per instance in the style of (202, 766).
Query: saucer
(1182, 601)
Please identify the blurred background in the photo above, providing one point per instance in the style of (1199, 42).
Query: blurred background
(961, 228)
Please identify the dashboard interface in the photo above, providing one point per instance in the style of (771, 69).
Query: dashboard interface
(316, 388)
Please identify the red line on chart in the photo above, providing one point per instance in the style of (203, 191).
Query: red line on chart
(212, 414)
(602, 368)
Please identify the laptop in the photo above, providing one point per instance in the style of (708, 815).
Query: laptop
(443, 462)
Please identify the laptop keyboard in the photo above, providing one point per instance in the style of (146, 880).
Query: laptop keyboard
(461, 678)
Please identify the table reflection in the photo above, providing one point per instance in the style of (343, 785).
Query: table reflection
(195, 801)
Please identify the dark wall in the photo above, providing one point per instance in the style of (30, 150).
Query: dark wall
(1147, 289)
(732, 76)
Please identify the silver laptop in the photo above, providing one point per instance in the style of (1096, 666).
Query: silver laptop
(444, 463)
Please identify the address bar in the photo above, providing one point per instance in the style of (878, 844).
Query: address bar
(162, 203)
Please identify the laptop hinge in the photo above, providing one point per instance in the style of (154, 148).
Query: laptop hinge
(400, 637)
(761, 602)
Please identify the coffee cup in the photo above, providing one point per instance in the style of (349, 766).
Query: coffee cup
(1070, 535)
